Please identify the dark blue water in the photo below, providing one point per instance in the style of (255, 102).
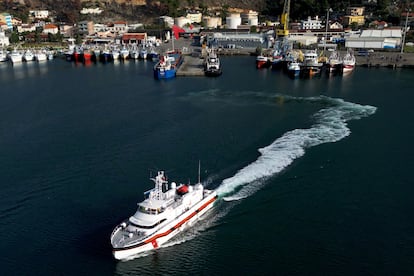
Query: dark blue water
(314, 175)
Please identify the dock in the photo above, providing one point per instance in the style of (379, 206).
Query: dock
(191, 66)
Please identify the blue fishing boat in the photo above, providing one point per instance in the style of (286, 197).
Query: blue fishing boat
(168, 64)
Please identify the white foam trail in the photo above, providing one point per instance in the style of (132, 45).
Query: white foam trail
(330, 126)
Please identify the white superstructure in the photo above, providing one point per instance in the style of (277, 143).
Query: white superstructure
(167, 210)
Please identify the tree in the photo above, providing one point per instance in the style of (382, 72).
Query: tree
(14, 37)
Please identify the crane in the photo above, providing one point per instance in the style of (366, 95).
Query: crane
(283, 30)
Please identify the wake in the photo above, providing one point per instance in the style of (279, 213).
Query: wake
(330, 126)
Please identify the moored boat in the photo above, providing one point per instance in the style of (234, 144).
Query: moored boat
(167, 210)
(168, 64)
(28, 55)
(3, 55)
(262, 62)
(40, 56)
(310, 65)
(212, 65)
(293, 69)
(16, 56)
(348, 62)
(334, 63)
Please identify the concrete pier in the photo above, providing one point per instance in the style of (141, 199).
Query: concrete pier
(191, 66)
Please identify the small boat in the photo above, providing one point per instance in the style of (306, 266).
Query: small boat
(293, 69)
(28, 55)
(3, 55)
(348, 62)
(334, 63)
(87, 55)
(167, 210)
(168, 64)
(277, 59)
(16, 56)
(262, 62)
(143, 53)
(124, 53)
(40, 56)
(115, 54)
(134, 53)
(212, 65)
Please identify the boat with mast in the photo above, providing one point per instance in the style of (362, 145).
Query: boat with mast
(168, 209)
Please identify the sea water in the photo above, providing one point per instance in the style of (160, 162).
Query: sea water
(314, 175)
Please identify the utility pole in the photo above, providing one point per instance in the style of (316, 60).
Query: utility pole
(405, 30)
(326, 30)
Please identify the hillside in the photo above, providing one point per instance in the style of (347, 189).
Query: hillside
(133, 10)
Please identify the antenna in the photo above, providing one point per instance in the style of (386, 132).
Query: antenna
(199, 166)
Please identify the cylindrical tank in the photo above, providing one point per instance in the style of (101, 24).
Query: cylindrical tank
(233, 21)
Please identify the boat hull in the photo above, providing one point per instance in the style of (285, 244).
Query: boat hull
(168, 231)
(213, 72)
(161, 73)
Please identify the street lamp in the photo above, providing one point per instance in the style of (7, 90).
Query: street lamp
(405, 30)
(326, 30)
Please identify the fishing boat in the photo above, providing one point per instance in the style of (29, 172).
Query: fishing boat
(124, 53)
(3, 55)
(212, 65)
(262, 62)
(293, 69)
(28, 55)
(40, 56)
(16, 56)
(167, 210)
(168, 64)
(348, 62)
(310, 65)
(334, 63)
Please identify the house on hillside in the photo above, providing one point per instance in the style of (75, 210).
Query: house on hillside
(7, 19)
(312, 24)
(50, 29)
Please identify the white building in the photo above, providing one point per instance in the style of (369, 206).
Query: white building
(26, 28)
(91, 11)
(375, 39)
(39, 14)
(250, 18)
(50, 29)
(4, 40)
(312, 24)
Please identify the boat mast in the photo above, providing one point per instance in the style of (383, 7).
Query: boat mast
(199, 168)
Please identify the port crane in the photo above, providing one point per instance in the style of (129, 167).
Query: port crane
(283, 30)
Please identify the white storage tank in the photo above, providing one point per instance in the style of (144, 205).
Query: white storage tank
(181, 21)
(211, 22)
(233, 21)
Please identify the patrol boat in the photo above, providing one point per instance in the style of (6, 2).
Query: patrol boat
(167, 210)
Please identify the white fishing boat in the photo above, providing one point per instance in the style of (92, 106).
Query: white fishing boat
(16, 56)
(293, 69)
(40, 56)
(348, 62)
(124, 53)
(212, 65)
(3, 55)
(28, 55)
(334, 63)
(167, 210)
